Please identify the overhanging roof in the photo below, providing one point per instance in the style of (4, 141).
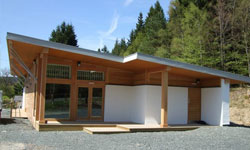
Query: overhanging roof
(127, 59)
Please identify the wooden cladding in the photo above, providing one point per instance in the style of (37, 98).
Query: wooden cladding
(118, 76)
(194, 104)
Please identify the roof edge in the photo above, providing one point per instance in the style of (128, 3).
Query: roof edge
(64, 47)
(132, 57)
(206, 70)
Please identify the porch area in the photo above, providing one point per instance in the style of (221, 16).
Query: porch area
(100, 127)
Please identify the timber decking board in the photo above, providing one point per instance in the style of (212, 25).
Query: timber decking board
(105, 130)
(135, 128)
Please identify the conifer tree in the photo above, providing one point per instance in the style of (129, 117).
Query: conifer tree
(64, 34)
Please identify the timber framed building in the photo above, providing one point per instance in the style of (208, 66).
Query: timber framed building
(66, 83)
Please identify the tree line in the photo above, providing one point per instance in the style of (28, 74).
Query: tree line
(211, 33)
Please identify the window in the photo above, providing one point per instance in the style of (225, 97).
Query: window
(83, 95)
(58, 71)
(97, 102)
(90, 75)
(57, 101)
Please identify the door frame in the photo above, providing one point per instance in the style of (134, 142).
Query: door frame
(90, 85)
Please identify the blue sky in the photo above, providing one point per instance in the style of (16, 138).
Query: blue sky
(96, 22)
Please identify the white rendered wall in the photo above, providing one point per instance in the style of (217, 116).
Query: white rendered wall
(211, 105)
(138, 104)
(142, 104)
(225, 95)
(215, 104)
(153, 105)
(118, 100)
(177, 105)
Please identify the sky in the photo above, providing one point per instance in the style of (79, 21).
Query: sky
(96, 22)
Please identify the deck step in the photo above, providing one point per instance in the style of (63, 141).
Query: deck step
(105, 130)
(155, 128)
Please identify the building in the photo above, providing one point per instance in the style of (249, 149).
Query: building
(18, 101)
(70, 83)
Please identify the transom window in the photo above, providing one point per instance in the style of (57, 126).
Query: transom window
(58, 71)
(90, 75)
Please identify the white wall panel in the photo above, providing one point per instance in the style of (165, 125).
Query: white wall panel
(118, 100)
(153, 105)
(225, 95)
(142, 104)
(211, 105)
(138, 104)
(177, 105)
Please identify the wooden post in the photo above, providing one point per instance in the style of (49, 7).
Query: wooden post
(44, 57)
(164, 98)
(38, 85)
(73, 93)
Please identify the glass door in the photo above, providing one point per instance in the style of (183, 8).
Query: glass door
(97, 102)
(83, 103)
(90, 103)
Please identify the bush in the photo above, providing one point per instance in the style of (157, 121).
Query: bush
(6, 102)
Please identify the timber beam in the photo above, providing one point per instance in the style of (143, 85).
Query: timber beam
(44, 59)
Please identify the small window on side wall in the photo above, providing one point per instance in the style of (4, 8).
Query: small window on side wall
(58, 71)
(90, 75)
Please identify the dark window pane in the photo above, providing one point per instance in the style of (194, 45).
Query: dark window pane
(83, 94)
(57, 101)
(90, 75)
(97, 102)
(58, 71)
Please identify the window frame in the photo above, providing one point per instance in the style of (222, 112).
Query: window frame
(103, 75)
(70, 71)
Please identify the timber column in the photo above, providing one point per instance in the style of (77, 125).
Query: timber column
(38, 85)
(44, 60)
(73, 92)
(164, 98)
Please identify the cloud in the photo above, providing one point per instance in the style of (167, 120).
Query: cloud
(128, 2)
(107, 35)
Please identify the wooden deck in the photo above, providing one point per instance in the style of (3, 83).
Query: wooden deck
(111, 127)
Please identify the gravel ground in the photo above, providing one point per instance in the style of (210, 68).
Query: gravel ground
(19, 134)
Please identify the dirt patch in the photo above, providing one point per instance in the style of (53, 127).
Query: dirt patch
(240, 106)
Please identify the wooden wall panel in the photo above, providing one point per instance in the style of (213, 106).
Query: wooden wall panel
(30, 96)
(139, 79)
(214, 82)
(173, 80)
(194, 104)
(120, 77)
